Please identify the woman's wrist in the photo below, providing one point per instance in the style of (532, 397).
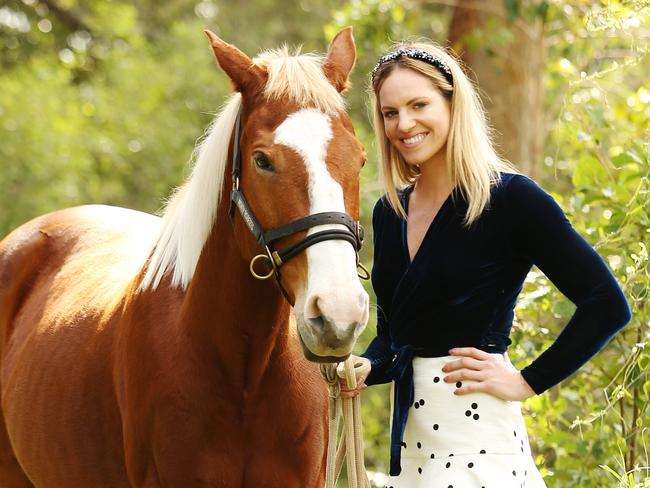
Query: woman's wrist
(525, 387)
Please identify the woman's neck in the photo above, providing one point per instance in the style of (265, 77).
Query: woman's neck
(434, 184)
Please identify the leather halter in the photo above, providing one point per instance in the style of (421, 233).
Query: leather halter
(352, 233)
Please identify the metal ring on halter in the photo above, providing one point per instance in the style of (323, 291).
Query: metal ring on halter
(269, 263)
(364, 274)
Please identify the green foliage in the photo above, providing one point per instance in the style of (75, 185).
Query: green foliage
(110, 112)
(599, 149)
(73, 134)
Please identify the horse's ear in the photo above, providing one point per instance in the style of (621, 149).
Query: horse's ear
(240, 69)
(340, 59)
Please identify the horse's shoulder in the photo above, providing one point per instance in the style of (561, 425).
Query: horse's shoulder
(75, 230)
(92, 252)
(102, 220)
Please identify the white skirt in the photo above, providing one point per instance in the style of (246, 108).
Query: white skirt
(462, 441)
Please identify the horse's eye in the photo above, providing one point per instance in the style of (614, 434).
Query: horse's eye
(263, 162)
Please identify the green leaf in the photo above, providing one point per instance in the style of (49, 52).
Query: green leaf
(512, 9)
(623, 158)
(646, 388)
(398, 14)
(589, 171)
(644, 361)
(542, 10)
(611, 471)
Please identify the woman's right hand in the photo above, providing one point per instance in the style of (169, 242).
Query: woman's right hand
(361, 370)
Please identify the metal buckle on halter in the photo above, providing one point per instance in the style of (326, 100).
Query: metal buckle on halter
(362, 271)
(235, 183)
(273, 262)
(359, 232)
(275, 257)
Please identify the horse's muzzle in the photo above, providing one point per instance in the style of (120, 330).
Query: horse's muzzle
(316, 358)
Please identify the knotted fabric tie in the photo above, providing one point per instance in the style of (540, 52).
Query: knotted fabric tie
(401, 372)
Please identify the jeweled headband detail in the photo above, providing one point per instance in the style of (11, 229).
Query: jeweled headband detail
(414, 53)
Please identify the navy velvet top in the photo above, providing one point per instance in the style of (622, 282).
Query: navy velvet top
(462, 286)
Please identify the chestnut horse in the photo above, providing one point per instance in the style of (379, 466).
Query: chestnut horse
(138, 351)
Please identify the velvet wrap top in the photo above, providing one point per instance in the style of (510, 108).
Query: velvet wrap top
(461, 288)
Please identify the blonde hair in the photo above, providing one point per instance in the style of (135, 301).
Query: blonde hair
(473, 164)
(299, 78)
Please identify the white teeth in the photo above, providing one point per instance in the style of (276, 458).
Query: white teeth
(414, 139)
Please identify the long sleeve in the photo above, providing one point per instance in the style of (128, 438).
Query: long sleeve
(379, 351)
(380, 355)
(541, 233)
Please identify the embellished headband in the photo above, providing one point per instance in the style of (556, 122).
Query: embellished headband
(414, 53)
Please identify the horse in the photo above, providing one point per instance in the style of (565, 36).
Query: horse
(143, 351)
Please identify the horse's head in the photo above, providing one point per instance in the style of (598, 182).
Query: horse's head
(300, 157)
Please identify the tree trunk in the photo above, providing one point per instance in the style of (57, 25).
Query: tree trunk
(509, 71)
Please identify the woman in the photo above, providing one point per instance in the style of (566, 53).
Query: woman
(455, 236)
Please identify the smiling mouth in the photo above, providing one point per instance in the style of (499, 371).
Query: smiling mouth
(414, 140)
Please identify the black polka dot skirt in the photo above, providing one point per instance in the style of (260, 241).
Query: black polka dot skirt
(465, 441)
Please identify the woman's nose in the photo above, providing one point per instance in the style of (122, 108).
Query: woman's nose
(405, 123)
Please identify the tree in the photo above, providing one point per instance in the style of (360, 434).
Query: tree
(503, 42)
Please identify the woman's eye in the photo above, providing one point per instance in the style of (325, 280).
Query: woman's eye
(388, 115)
(263, 162)
(420, 105)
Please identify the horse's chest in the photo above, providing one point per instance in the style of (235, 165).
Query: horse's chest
(271, 439)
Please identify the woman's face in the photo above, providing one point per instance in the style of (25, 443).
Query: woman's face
(416, 116)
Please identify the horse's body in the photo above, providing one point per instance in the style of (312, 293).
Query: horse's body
(109, 381)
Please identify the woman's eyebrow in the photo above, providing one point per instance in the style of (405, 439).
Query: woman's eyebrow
(412, 100)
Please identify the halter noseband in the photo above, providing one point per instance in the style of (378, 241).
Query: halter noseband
(353, 232)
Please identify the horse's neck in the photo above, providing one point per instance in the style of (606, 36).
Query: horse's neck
(244, 320)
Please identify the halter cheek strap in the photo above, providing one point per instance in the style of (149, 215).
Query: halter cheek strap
(352, 233)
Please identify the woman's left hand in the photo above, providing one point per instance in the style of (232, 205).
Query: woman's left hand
(490, 374)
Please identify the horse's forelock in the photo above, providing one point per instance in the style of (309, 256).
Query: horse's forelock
(299, 79)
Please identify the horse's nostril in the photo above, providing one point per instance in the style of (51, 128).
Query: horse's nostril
(317, 323)
(312, 309)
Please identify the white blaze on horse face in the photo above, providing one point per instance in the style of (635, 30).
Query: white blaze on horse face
(333, 288)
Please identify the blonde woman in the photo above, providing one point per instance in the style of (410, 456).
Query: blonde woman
(455, 236)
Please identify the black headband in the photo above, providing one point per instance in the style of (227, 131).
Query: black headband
(414, 53)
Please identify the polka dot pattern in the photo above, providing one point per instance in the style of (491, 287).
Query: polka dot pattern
(471, 440)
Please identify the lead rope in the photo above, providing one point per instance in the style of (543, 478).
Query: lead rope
(351, 442)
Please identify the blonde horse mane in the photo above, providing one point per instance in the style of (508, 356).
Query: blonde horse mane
(191, 211)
